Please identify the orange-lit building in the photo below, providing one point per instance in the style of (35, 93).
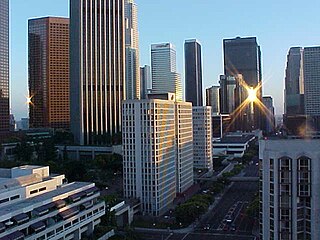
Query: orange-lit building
(49, 72)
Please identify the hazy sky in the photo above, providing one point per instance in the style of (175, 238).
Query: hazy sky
(278, 25)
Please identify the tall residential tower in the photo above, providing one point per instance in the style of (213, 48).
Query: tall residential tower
(48, 43)
(4, 66)
(97, 69)
(193, 72)
(132, 51)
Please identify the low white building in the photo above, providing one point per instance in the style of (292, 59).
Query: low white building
(35, 204)
(232, 145)
(290, 192)
(202, 137)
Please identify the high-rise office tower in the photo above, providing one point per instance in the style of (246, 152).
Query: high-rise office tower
(311, 72)
(269, 120)
(4, 66)
(97, 69)
(227, 94)
(132, 50)
(213, 98)
(243, 56)
(48, 43)
(145, 80)
(290, 194)
(193, 72)
(294, 117)
(157, 151)
(202, 137)
(294, 82)
(164, 76)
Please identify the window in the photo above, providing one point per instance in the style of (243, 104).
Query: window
(4, 200)
(33, 191)
(15, 197)
(42, 189)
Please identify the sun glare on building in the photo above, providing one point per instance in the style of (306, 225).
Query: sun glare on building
(252, 94)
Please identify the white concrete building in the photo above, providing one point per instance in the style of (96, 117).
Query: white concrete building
(290, 194)
(232, 145)
(35, 204)
(132, 50)
(164, 70)
(157, 151)
(202, 137)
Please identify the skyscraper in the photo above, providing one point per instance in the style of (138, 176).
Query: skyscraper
(164, 70)
(4, 66)
(193, 72)
(145, 80)
(132, 51)
(97, 70)
(269, 120)
(243, 56)
(48, 43)
(311, 72)
(213, 98)
(294, 82)
(157, 151)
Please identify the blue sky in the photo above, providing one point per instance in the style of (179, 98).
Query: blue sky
(278, 25)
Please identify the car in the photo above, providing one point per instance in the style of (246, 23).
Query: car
(225, 228)
(233, 227)
(206, 227)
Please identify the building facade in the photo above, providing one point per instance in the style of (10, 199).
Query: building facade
(4, 66)
(213, 98)
(97, 70)
(164, 70)
(243, 56)
(202, 137)
(294, 82)
(269, 118)
(132, 51)
(145, 81)
(193, 72)
(290, 194)
(154, 168)
(311, 72)
(48, 44)
(38, 205)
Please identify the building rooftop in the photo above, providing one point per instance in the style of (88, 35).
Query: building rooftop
(8, 211)
(243, 139)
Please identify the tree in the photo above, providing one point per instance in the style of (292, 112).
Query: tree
(24, 152)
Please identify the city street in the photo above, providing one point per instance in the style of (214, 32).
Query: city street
(228, 216)
(231, 207)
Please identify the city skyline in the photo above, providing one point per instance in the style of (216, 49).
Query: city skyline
(291, 32)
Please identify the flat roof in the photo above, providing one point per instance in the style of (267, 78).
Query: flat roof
(8, 211)
(234, 139)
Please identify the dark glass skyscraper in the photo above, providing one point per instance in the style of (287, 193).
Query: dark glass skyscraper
(243, 56)
(4, 66)
(97, 69)
(294, 82)
(193, 72)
